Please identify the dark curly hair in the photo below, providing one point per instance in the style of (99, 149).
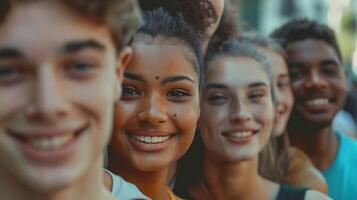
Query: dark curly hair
(199, 14)
(173, 28)
(301, 29)
(121, 16)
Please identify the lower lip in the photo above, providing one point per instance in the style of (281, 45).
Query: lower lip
(50, 155)
(149, 147)
(240, 141)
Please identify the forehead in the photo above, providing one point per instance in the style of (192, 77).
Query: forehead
(276, 61)
(311, 51)
(44, 25)
(236, 71)
(161, 58)
(218, 5)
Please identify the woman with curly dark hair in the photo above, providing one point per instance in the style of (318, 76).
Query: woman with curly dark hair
(156, 117)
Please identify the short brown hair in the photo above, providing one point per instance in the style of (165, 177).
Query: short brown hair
(122, 16)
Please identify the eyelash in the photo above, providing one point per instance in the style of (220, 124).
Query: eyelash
(130, 92)
(256, 96)
(178, 95)
(81, 68)
(10, 74)
(217, 98)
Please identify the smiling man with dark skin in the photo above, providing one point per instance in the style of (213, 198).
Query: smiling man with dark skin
(319, 85)
(61, 65)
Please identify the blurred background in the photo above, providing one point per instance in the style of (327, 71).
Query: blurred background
(266, 15)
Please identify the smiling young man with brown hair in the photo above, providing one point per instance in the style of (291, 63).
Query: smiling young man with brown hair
(319, 85)
(61, 65)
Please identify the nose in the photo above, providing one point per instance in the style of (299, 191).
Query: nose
(314, 80)
(280, 106)
(240, 113)
(48, 102)
(153, 112)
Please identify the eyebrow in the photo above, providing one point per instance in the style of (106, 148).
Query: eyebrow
(133, 76)
(328, 62)
(175, 79)
(9, 52)
(75, 46)
(257, 84)
(216, 86)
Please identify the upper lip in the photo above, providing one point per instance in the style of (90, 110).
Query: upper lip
(45, 132)
(150, 132)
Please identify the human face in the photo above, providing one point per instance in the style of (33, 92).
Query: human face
(219, 7)
(57, 89)
(159, 107)
(237, 91)
(282, 89)
(317, 80)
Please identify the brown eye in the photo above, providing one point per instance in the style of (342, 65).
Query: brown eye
(81, 66)
(217, 98)
(130, 92)
(178, 95)
(10, 74)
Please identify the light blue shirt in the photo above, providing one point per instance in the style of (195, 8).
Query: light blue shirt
(124, 190)
(341, 175)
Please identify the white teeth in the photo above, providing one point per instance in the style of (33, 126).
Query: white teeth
(151, 139)
(51, 142)
(317, 102)
(241, 134)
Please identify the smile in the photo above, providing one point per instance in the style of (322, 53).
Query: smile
(150, 139)
(241, 134)
(318, 102)
(48, 140)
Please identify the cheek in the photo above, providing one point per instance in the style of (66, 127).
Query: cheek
(186, 116)
(264, 114)
(18, 96)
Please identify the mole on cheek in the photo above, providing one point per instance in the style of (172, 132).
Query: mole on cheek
(175, 115)
(157, 77)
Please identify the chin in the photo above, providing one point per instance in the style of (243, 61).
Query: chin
(49, 181)
(150, 165)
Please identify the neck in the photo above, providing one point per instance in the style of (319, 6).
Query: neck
(151, 183)
(88, 186)
(319, 143)
(239, 180)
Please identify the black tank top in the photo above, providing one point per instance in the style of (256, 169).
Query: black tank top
(291, 193)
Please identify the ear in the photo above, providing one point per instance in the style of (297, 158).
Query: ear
(123, 61)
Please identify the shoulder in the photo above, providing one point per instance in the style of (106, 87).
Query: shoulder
(125, 190)
(315, 195)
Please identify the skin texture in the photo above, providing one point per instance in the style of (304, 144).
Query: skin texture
(160, 98)
(283, 93)
(240, 107)
(239, 104)
(47, 89)
(316, 72)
